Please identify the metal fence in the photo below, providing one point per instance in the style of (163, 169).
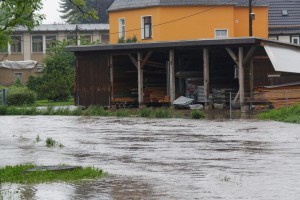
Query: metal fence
(257, 100)
(3, 96)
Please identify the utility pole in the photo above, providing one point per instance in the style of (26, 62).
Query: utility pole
(77, 36)
(250, 18)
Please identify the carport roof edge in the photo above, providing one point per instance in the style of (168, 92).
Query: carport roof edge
(166, 44)
(226, 42)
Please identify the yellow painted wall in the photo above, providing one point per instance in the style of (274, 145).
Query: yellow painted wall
(172, 23)
(133, 23)
(259, 25)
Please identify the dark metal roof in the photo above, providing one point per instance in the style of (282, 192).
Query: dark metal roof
(170, 44)
(133, 4)
(284, 17)
(65, 27)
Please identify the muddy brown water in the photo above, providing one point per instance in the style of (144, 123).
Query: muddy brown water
(155, 158)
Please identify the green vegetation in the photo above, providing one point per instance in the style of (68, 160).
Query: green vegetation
(15, 174)
(20, 95)
(57, 81)
(132, 39)
(290, 114)
(100, 111)
(46, 102)
(197, 114)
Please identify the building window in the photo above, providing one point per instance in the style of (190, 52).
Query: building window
(85, 39)
(221, 33)
(146, 27)
(295, 40)
(50, 41)
(16, 44)
(19, 75)
(122, 28)
(71, 40)
(37, 44)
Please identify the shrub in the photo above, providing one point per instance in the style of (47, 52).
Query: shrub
(197, 114)
(162, 113)
(146, 112)
(20, 96)
(3, 110)
(122, 113)
(96, 111)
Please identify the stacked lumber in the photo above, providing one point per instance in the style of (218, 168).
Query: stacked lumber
(155, 94)
(278, 97)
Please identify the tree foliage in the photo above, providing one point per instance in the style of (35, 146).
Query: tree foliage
(15, 13)
(80, 11)
(57, 81)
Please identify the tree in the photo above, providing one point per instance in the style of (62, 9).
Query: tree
(15, 13)
(57, 81)
(95, 11)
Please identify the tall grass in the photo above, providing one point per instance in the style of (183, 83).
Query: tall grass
(100, 111)
(15, 174)
(290, 114)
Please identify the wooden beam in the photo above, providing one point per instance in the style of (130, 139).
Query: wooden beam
(111, 73)
(146, 58)
(249, 55)
(172, 75)
(206, 74)
(241, 77)
(133, 60)
(232, 55)
(140, 80)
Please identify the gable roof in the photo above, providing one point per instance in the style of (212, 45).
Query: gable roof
(280, 23)
(134, 4)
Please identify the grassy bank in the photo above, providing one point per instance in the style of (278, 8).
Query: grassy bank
(100, 111)
(45, 102)
(15, 174)
(290, 114)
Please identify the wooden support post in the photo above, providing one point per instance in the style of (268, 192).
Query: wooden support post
(172, 76)
(206, 75)
(251, 79)
(241, 78)
(140, 79)
(111, 73)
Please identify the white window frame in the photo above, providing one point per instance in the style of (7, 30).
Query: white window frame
(43, 44)
(221, 29)
(85, 35)
(21, 47)
(297, 38)
(19, 75)
(143, 27)
(122, 28)
(46, 40)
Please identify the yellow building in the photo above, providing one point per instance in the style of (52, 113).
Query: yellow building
(169, 20)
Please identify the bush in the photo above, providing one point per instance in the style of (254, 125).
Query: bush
(162, 113)
(197, 114)
(3, 110)
(146, 112)
(20, 96)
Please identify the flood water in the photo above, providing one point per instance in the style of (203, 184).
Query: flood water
(155, 158)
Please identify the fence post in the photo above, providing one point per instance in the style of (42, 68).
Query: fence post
(286, 99)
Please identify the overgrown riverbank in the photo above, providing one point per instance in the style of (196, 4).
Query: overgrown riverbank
(290, 114)
(100, 111)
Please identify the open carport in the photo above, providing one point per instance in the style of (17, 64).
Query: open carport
(157, 73)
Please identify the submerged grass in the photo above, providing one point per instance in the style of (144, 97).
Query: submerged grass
(290, 114)
(100, 111)
(15, 174)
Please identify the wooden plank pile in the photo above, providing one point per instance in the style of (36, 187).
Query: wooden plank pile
(278, 96)
(155, 95)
